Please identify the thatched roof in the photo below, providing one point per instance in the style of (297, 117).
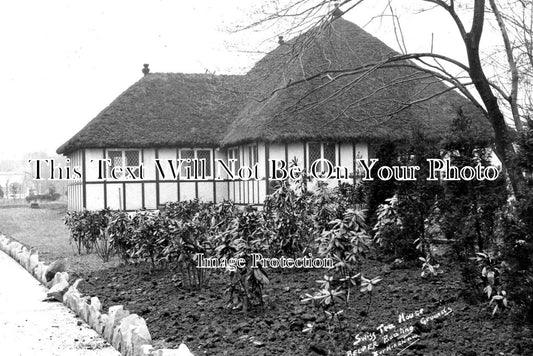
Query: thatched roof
(274, 101)
(363, 105)
(164, 109)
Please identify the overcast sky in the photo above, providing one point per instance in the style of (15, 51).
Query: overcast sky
(64, 61)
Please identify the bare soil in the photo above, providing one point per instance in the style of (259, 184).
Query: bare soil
(200, 319)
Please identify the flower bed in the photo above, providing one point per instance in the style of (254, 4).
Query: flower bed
(174, 314)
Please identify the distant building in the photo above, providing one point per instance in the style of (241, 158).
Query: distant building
(23, 180)
(256, 117)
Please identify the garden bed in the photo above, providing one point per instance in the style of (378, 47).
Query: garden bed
(200, 319)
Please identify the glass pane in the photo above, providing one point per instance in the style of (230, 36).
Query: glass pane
(116, 158)
(185, 154)
(329, 152)
(234, 154)
(238, 162)
(255, 160)
(205, 155)
(314, 153)
(132, 158)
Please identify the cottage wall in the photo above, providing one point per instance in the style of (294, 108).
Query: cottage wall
(75, 198)
(159, 187)
(345, 155)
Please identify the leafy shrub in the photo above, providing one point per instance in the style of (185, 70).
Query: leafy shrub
(346, 243)
(400, 224)
(245, 235)
(151, 235)
(102, 241)
(190, 239)
(120, 232)
(326, 205)
(515, 235)
(288, 222)
(50, 196)
(351, 195)
(377, 191)
(183, 210)
(86, 227)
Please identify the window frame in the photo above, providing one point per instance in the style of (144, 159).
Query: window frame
(322, 146)
(234, 153)
(125, 174)
(253, 154)
(208, 166)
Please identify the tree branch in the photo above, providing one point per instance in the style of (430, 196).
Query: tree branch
(451, 10)
(512, 65)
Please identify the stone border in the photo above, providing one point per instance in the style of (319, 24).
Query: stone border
(128, 333)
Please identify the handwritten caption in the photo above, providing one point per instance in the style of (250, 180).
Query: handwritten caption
(393, 336)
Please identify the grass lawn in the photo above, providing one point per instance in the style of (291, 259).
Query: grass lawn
(44, 230)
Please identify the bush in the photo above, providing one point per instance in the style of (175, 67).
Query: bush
(43, 197)
(151, 236)
(515, 233)
(286, 218)
(401, 222)
(377, 191)
(120, 232)
(86, 228)
(51, 195)
(181, 232)
(468, 208)
(245, 235)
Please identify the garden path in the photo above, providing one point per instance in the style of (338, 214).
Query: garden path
(29, 326)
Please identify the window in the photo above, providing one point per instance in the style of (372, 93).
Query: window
(123, 159)
(317, 150)
(252, 155)
(329, 152)
(203, 157)
(186, 154)
(116, 158)
(233, 153)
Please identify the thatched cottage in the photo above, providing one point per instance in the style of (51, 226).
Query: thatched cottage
(269, 113)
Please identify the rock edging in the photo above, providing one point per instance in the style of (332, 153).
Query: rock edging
(128, 333)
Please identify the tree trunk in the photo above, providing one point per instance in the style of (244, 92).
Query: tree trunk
(504, 148)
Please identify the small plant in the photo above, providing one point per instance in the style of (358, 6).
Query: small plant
(429, 268)
(346, 243)
(388, 220)
(500, 301)
(368, 287)
(328, 299)
(491, 270)
(332, 295)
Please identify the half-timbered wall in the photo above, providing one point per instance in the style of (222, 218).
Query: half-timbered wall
(157, 188)
(75, 187)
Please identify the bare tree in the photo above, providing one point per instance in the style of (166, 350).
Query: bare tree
(501, 89)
